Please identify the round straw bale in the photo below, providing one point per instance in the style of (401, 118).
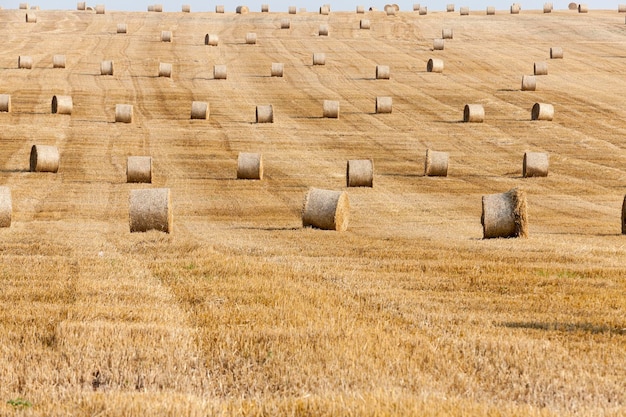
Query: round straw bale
(464, 11)
(491, 10)
(547, 7)
(58, 61)
(540, 68)
(556, 52)
(515, 8)
(31, 18)
(324, 10)
(621, 8)
(44, 158)
(5, 102)
(186, 8)
(292, 9)
(106, 68)
(165, 70)
(25, 62)
(285, 23)
(449, 7)
(331, 109)
(438, 44)
(572, 6)
(6, 207)
(24, 6)
(158, 8)
(582, 8)
(383, 104)
(62, 105)
(360, 173)
(505, 215)
(542, 111)
(265, 114)
(211, 39)
(123, 113)
(382, 72)
(151, 8)
(249, 166)
(99, 8)
(416, 7)
(360, 9)
(265, 8)
(277, 69)
(122, 28)
(251, 38)
(446, 33)
(219, 9)
(199, 110)
(242, 9)
(423, 11)
(150, 209)
(323, 30)
(390, 10)
(319, 58)
(624, 216)
(364, 24)
(434, 65)
(326, 209)
(436, 164)
(529, 83)
(81, 5)
(219, 72)
(535, 164)
(473, 113)
(166, 36)
(139, 169)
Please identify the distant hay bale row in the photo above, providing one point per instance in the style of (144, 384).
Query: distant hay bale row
(100, 9)
(81, 5)
(24, 6)
(285, 24)
(186, 8)
(326, 209)
(219, 9)
(464, 11)
(331, 109)
(449, 8)
(24, 62)
(505, 215)
(547, 7)
(621, 8)
(265, 8)
(242, 9)
(31, 18)
(360, 9)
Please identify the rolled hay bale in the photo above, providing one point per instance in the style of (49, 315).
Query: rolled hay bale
(211, 39)
(44, 158)
(292, 9)
(505, 215)
(219, 9)
(277, 69)
(139, 169)
(416, 7)
(319, 58)
(542, 111)
(123, 113)
(249, 166)
(31, 18)
(5, 103)
(383, 104)
(582, 8)
(219, 72)
(390, 10)
(324, 10)
(572, 6)
(99, 8)
(464, 11)
(151, 8)
(547, 7)
(556, 52)
(326, 210)
(24, 6)
(331, 109)
(25, 62)
(540, 68)
(199, 110)
(364, 24)
(166, 36)
(434, 65)
(158, 8)
(265, 8)
(438, 44)
(491, 10)
(106, 68)
(535, 164)
(62, 105)
(242, 9)
(515, 8)
(423, 11)
(624, 216)
(251, 38)
(529, 83)
(58, 61)
(165, 70)
(122, 28)
(621, 8)
(447, 33)
(436, 164)
(473, 113)
(265, 114)
(150, 209)
(6, 207)
(360, 173)
(285, 24)
(382, 72)
(449, 8)
(81, 5)
(186, 8)
(323, 30)
(360, 9)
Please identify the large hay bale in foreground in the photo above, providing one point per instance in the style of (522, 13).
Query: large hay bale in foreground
(5, 103)
(139, 169)
(331, 109)
(542, 111)
(529, 83)
(150, 209)
(24, 62)
(249, 166)
(436, 164)
(106, 68)
(199, 110)
(265, 114)
(44, 158)
(123, 113)
(360, 173)
(434, 65)
(505, 215)
(473, 113)
(536, 164)
(326, 209)
(62, 105)
(6, 207)
(540, 68)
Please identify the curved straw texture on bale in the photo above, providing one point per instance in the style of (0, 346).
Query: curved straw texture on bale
(139, 169)
(326, 209)
(199, 110)
(324, 10)
(360, 173)
(211, 39)
(436, 164)
(572, 6)
(540, 68)
(383, 104)
(423, 11)
(100, 9)
(250, 38)
(44, 158)
(323, 30)
(219, 9)
(547, 7)
(150, 209)
(277, 69)
(514, 9)
(416, 7)
(449, 7)
(166, 36)
(186, 8)
(62, 105)
(293, 9)
(265, 8)
(491, 10)
(122, 28)
(219, 72)
(285, 24)
(242, 9)
(542, 111)
(360, 9)
(106, 68)
(556, 52)
(158, 8)
(621, 8)
(529, 83)
(382, 72)
(364, 24)
(124, 113)
(505, 215)
(31, 18)
(582, 8)
(6, 207)
(464, 11)
(165, 70)
(265, 114)
(473, 113)
(535, 164)
(5, 102)
(624, 216)
(24, 6)
(331, 109)
(80, 5)
(24, 62)
(446, 33)
(438, 44)
(319, 58)
(434, 65)
(249, 166)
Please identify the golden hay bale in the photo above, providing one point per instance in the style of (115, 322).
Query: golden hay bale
(31, 18)
(323, 30)
(211, 39)
(242, 9)
(438, 44)
(447, 33)
(360, 9)
(542, 111)
(624, 216)
(621, 8)
(122, 28)
(319, 58)
(540, 68)
(331, 109)
(360, 173)
(25, 62)
(277, 69)
(265, 8)
(265, 114)
(150, 209)
(186, 8)
(165, 70)
(449, 7)
(535, 164)
(285, 24)
(139, 169)
(249, 166)
(292, 9)
(434, 65)
(529, 83)
(436, 164)
(473, 113)
(382, 72)
(582, 8)
(6, 207)
(158, 8)
(416, 7)
(464, 11)
(199, 110)
(24, 6)
(556, 52)
(80, 5)
(62, 105)
(106, 68)
(251, 38)
(505, 214)
(390, 10)
(219, 72)
(5, 102)
(44, 158)
(547, 7)
(383, 104)
(326, 209)
(151, 8)
(491, 10)
(58, 61)
(99, 8)
(515, 8)
(166, 36)
(123, 113)
(423, 11)
(219, 9)
(324, 10)
(364, 24)
(572, 6)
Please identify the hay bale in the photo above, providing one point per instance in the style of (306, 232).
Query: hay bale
(438, 44)
(364, 24)
(211, 39)
(186, 8)
(319, 58)
(122, 28)
(582, 8)
(31, 18)
(265, 114)
(572, 6)
(219, 9)
(6, 207)
(219, 72)
(390, 10)
(491, 10)
(416, 7)
(505, 215)
(166, 36)
(165, 70)
(242, 9)
(473, 113)
(5, 103)
(624, 216)
(158, 8)
(249, 166)
(292, 9)
(383, 104)
(58, 61)
(556, 52)
(323, 30)
(106, 68)
(44, 158)
(434, 65)
(547, 7)
(251, 38)
(139, 169)
(150, 209)
(285, 24)
(151, 8)
(529, 83)
(540, 68)
(24, 62)
(535, 164)
(99, 8)
(464, 11)
(436, 164)
(447, 33)
(199, 110)
(24, 6)
(277, 69)
(324, 10)
(542, 111)
(449, 7)
(326, 210)
(331, 109)
(123, 113)
(265, 8)
(81, 5)
(360, 173)
(360, 9)
(621, 8)
(62, 105)
(515, 8)
(382, 72)
(423, 11)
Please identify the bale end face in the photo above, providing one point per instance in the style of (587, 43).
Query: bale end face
(62, 105)
(150, 209)
(434, 65)
(326, 210)
(44, 158)
(6, 207)
(360, 173)
(139, 169)
(505, 215)
(249, 166)
(542, 111)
